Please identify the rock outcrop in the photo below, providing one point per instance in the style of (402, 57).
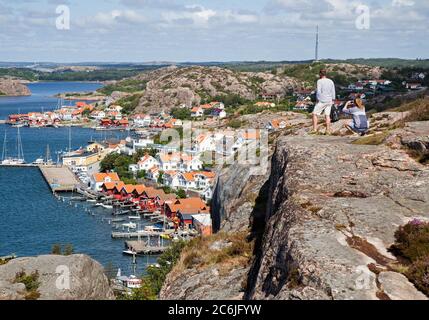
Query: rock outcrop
(12, 87)
(172, 86)
(332, 214)
(86, 277)
(322, 219)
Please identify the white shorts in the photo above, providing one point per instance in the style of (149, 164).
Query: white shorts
(322, 108)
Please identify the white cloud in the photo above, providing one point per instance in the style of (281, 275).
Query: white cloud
(115, 17)
(402, 3)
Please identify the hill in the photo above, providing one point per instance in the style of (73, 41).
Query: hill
(166, 88)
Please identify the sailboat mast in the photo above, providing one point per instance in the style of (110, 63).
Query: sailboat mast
(4, 153)
(69, 139)
(19, 146)
(48, 153)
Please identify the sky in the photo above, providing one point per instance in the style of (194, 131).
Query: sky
(215, 30)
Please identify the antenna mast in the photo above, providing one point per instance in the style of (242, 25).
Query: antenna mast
(317, 44)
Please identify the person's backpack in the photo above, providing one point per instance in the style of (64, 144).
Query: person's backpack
(335, 114)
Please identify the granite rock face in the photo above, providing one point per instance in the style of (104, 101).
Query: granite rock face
(333, 211)
(322, 219)
(13, 87)
(87, 280)
(172, 86)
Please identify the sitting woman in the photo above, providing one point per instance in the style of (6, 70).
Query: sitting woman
(360, 123)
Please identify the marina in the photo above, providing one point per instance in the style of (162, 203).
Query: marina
(31, 209)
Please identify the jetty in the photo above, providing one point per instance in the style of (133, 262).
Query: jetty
(139, 234)
(59, 178)
(141, 247)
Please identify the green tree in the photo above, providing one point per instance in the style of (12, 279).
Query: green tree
(160, 177)
(56, 249)
(141, 174)
(181, 113)
(181, 194)
(68, 250)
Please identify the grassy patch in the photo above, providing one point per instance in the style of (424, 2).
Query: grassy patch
(129, 104)
(31, 282)
(374, 139)
(234, 250)
(412, 246)
(419, 110)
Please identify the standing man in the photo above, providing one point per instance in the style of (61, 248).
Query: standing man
(325, 100)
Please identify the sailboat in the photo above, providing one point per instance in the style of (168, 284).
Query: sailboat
(20, 156)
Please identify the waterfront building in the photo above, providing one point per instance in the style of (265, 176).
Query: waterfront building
(98, 179)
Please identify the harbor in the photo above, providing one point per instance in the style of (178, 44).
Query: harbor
(65, 217)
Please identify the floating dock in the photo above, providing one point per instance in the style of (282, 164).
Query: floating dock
(140, 247)
(59, 178)
(139, 234)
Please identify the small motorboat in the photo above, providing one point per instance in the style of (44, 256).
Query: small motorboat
(129, 252)
(107, 206)
(91, 200)
(165, 236)
(134, 217)
(130, 225)
(39, 161)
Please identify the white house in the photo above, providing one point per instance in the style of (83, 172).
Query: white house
(147, 162)
(98, 179)
(197, 112)
(178, 161)
(204, 143)
(142, 120)
(203, 179)
(98, 115)
(152, 174)
(171, 179)
(187, 180)
(207, 193)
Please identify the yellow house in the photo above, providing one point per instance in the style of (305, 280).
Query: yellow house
(84, 159)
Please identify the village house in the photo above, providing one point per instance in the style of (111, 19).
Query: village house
(219, 113)
(98, 179)
(81, 160)
(203, 224)
(197, 112)
(185, 208)
(204, 142)
(358, 86)
(171, 179)
(147, 162)
(178, 161)
(153, 174)
(142, 120)
(413, 86)
(98, 115)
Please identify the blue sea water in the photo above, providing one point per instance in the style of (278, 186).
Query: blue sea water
(31, 218)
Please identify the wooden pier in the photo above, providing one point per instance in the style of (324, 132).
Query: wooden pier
(140, 247)
(59, 178)
(140, 234)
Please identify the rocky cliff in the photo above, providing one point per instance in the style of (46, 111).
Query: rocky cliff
(333, 210)
(51, 277)
(12, 87)
(322, 220)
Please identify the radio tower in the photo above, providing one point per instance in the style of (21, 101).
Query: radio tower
(317, 45)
